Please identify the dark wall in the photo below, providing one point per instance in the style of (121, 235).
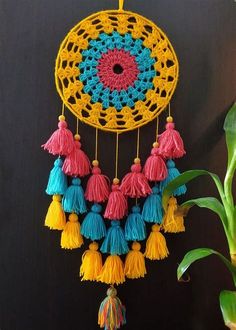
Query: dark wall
(39, 283)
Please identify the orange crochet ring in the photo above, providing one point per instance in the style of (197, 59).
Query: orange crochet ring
(116, 109)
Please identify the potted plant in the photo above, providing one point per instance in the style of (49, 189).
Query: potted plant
(224, 207)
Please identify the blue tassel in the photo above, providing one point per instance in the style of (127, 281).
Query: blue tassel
(114, 242)
(93, 226)
(57, 182)
(173, 173)
(73, 200)
(152, 207)
(135, 228)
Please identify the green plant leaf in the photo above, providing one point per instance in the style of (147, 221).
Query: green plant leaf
(200, 253)
(230, 133)
(184, 178)
(211, 203)
(228, 308)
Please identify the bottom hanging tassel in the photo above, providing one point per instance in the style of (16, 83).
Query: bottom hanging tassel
(156, 248)
(112, 271)
(91, 263)
(111, 314)
(55, 218)
(172, 221)
(135, 262)
(71, 237)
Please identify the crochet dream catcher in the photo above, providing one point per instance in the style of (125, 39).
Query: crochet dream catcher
(116, 71)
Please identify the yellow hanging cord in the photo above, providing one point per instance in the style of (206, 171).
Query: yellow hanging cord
(169, 109)
(138, 142)
(63, 109)
(157, 128)
(117, 155)
(77, 126)
(96, 145)
(121, 4)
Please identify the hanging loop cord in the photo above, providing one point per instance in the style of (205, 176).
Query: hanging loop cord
(117, 156)
(121, 4)
(157, 130)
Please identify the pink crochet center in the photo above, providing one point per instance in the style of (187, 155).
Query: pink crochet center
(117, 69)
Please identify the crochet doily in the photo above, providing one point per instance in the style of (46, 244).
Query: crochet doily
(116, 70)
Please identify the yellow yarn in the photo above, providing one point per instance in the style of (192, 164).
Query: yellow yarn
(156, 248)
(70, 55)
(91, 263)
(112, 271)
(135, 263)
(71, 237)
(172, 221)
(55, 217)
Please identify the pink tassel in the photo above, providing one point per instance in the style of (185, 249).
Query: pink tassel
(77, 162)
(170, 142)
(117, 206)
(135, 184)
(61, 142)
(155, 167)
(97, 189)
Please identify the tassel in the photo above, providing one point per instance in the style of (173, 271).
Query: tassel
(112, 271)
(156, 248)
(61, 142)
(55, 218)
(57, 182)
(91, 263)
(172, 222)
(77, 162)
(117, 205)
(114, 242)
(152, 207)
(172, 174)
(135, 263)
(135, 228)
(170, 142)
(97, 189)
(135, 184)
(73, 200)
(155, 166)
(71, 237)
(93, 226)
(111, 315)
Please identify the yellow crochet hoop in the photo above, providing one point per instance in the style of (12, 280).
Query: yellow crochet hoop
(108, 110)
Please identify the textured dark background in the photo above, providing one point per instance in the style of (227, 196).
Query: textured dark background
(39, 283)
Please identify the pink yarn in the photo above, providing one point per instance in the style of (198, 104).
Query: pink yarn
(128, 69)
(77, 162)
(97, 189)
(170, 143)
(155, 167)
(135, 184)
(61, 142)
(117, 206)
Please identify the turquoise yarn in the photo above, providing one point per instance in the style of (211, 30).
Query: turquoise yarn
(57, 181)
(114, 242)
(152, 207)
(173, 173)
(100, 93)
(135, 228)
(93, 226)
(73, 200)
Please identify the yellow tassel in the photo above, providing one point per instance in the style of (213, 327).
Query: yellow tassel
(156, 248)
(112, 271)
(55, 217)
(91, 263)
(135, 263)
(172, 221)
(71, 237)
